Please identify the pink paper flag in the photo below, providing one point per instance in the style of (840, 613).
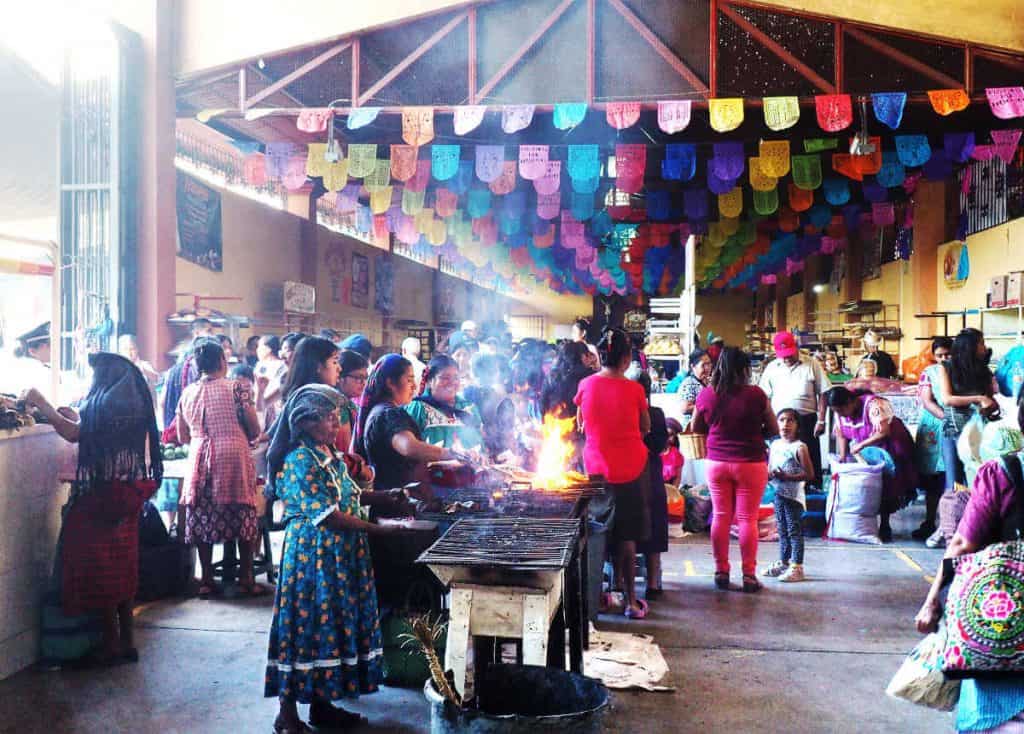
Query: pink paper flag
(883, 214)
(422, 178)
(549, 205)
(1006, 102)
(295, 173)
(621, 115)
(983, 152)
(533, 161)
(1006, 142)
(254, 169)
(551, 180)
(630, 160)
(506, 182)
(516, 117)
(674, 115)
(314, 120)
(468, 118)
(445, 202)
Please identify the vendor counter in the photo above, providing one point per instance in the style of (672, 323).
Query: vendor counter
(32, 494)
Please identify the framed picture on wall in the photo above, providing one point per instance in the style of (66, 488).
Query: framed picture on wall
(384, 285)
(199, 223)
(360, 280)
(334, 263)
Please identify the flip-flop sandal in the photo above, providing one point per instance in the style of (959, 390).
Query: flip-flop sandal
(644, 609)
(207, 591)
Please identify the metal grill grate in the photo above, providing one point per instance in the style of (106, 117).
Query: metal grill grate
(516, 543)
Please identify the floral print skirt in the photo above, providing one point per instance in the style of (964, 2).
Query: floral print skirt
(208, 522)
(325, 640)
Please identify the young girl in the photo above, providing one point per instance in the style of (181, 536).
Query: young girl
(614, 414)
(671, 458)
(789, 466)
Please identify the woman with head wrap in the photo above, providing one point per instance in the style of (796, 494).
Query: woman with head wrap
(325, 643)
(444, 418)
(386, 435)
(119, 468)
(218, 418)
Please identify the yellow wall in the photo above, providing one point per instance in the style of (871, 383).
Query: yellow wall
(727, 315)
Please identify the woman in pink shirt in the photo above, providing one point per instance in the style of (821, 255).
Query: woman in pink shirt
(614, 417)
(737, 417)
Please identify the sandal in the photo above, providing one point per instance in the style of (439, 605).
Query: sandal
(326, 716)
(253, 589)
(299, 727)
(644, 609)
(751, 584)
(722, 580)
(207, 591)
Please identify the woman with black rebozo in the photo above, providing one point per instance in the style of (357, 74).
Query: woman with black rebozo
(737, 418)
(614, 416)
(325, 642)
(965, 385)
(217, 417)
(119, 468)
(386, 435)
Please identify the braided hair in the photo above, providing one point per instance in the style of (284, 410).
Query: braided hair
(614, 347)
(388, 368)
(437, 364)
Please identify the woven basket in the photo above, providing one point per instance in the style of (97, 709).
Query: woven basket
(693, 446)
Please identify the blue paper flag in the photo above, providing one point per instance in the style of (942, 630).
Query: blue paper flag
(888, 108)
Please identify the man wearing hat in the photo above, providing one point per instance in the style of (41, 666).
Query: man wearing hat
(31, 366)
(886, 364)
(800, 383)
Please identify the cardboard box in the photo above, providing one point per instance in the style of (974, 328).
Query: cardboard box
(997, 292)
(1015, 289)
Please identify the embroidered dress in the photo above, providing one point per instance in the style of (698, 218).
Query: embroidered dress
(325, 637)
(928, 441)
(451, 428)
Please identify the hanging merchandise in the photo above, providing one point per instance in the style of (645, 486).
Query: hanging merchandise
(807, 171)
(490, 162)
(622, 115)
(506, 182)
(467, 118)
(913, 150)
(731, 204)
(893, 173)
(361, 117)
(550, 182)
(1006, 142)
(533, 161)
(516, 117)
(680, 162)
(549, 205)
(888, 107)
(948, 101)
(727, 160)
(403, 161)
(379, 177)
(362, 159)
(445, 202)
(412, 201)
(758, 180)
(294, 177)
(444, 161)
(774, 157)
(313, 120)
(582, 206)
(835, 112)
(726, 114)
(1006, 102)
(781, 113)
(820, 145)
(584, 161)
(766, 202)
(958, 146)
(800, 200)
(478, 203)
(568, 115)
(674, 115)
(417, 125)
(380, 199)
(254, 170)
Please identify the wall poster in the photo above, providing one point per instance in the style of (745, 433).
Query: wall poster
(199, 223)
(334, 262)
(360, 280)
(384, 285)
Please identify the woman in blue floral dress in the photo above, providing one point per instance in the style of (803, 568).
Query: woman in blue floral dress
(928, 441)
(325, 642)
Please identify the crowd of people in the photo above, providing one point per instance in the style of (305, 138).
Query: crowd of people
(339, 419)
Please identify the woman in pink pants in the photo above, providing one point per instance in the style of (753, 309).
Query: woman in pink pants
(736, 417)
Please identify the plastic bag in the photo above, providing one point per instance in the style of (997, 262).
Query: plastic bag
(914, 367)
(920, 679)
(1010, 373)
(968, 446)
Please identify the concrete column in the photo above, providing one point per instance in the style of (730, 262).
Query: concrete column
(929, 233)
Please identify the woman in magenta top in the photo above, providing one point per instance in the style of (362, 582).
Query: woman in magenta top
(737, 417)
(614, 418)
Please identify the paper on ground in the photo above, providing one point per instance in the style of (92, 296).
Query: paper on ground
(625, 661)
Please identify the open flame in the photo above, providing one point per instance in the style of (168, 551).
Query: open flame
(556, 453)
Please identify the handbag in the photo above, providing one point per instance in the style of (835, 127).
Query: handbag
(920, 679)
(985, 605)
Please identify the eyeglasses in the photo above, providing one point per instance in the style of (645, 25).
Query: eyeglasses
(355, 378)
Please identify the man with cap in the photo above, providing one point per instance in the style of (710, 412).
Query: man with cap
(800, 383)
(886, 364)
(359, 344)
(31, 367)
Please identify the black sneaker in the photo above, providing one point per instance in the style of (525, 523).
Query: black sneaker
(923, 532)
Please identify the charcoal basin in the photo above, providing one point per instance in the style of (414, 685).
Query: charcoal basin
(524, 698)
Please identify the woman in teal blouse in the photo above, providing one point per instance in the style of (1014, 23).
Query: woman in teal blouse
(444, 418)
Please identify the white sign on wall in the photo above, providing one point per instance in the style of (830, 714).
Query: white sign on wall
(299, 297)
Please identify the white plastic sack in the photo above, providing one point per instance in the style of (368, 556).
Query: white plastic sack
(854, 502)
(968, 446)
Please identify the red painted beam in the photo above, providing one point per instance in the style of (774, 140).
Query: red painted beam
(776, 48)
(412, 57)
(906, 60)
(662, 50)
(528, 44)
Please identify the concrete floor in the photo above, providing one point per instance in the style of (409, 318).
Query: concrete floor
(810, 657)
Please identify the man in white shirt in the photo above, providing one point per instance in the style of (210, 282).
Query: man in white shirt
(800, 383)
(411, 351)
